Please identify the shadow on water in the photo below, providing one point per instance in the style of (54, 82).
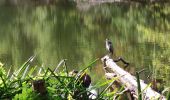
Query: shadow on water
(139, 34)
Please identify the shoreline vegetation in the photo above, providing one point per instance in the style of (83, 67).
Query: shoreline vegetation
(38, 83)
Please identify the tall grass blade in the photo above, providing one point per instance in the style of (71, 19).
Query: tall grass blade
(17, 73)
(165, 90)
(61, 62)
(62, 83)
(107, 82)
(106, 89)
(25, 71)
(32, 70)
(40, 70)
(146, 87)
(65, 65)
(9, 71)
(82, 72)
(168, 95)
(55, 76)
(90, 65)
(4, 82)
(139, 86)
(24, 65)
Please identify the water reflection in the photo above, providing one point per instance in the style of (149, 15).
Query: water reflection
(54, 33)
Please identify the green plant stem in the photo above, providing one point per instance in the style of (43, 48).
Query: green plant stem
(4, 82)
(139, 86)
(105, 89)
(66, 66)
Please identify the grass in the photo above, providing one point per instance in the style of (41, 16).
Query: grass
(59, 84)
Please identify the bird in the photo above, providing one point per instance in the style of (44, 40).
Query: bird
(109, 46)
(85, 78)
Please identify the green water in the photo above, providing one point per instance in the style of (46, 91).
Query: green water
(140, 34)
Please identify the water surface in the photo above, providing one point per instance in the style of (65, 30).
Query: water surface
(140, 34)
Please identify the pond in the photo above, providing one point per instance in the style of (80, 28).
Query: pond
(140, 34)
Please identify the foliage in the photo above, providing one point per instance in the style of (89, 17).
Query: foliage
(59, 84)
(26, 94)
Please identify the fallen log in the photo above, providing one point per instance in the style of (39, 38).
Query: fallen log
(129, 81)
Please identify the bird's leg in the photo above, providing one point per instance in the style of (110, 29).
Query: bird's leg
(121, 59)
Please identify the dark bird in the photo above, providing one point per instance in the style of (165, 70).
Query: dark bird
(109, 46)
(85, 79)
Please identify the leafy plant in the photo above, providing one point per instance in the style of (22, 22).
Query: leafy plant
(59, 84)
